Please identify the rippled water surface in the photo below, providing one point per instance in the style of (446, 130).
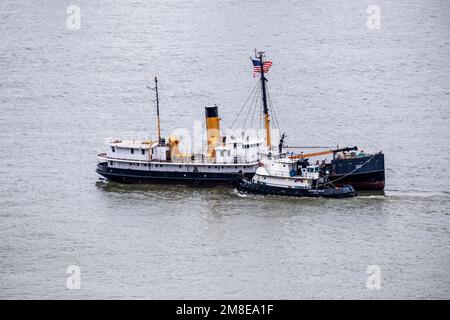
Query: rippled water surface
(333, 81)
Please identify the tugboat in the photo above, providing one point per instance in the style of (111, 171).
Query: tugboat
(279, 174)
(282, 176)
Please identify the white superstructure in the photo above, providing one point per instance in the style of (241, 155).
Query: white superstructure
(236, 154)
(279, 171)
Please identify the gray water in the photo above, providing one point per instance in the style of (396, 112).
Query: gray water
(334, 80)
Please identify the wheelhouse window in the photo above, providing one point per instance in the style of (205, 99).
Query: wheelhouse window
(143, 151)
(132, 151)
(113, 149)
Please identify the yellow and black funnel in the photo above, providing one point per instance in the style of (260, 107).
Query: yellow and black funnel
(212, 129)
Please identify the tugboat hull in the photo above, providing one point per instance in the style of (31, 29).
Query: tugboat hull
(259, 188)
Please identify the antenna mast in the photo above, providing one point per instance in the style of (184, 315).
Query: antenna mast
(157, 109)
(264, 99)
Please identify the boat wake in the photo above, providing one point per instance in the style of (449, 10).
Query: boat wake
(417, 193)
(240, 194)
(371, 196)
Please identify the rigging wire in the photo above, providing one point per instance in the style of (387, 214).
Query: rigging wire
(272, 108)
(243, 106)
(256, 107)
(251, 105)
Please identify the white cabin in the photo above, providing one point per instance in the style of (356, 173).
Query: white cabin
(237, 150)
(140, 150)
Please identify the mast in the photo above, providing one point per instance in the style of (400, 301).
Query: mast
(264, 99)
(157, 110)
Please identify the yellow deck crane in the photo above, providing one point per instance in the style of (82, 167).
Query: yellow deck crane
(322, 153)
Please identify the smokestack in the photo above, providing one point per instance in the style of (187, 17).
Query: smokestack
(212, 129)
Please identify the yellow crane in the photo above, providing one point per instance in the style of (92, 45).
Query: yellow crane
(321, 153)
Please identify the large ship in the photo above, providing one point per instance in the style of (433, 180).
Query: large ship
(227, 159)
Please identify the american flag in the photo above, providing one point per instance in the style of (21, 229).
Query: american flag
(257, 66)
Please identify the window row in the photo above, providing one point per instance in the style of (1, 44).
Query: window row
(113, 149)
(247, 146)
(222, 153)
(111, 163)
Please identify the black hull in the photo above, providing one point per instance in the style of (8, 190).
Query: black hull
(257, 188)
(365, 173)
(363, 181)
(163, 177)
